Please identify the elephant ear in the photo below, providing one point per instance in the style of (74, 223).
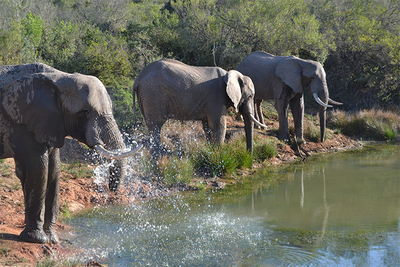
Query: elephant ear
(290, 71)
(34, 101)
(234, 82)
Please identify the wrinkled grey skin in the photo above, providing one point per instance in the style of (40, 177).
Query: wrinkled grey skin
(283, 79)
(168, 89)
(39, 107)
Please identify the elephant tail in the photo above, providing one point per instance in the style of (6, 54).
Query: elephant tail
(134, 104)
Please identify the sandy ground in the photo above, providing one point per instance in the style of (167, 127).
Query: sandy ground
(84, 192)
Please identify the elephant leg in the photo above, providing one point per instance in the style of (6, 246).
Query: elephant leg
(259, 115)
(282, 107)
(207, 130)
(217, 129)
(297, 107)
(155, 140)
(31, 160)
(52, 195)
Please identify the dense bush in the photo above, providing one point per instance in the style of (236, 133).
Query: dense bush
(358, 41)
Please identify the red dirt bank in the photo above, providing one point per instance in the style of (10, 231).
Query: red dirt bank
(83, 192)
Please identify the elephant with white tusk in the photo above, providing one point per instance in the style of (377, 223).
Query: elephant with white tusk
(169, 89)
(283, 79)
(40, 106)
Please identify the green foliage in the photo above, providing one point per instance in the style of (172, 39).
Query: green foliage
(65, 214)
(5, 251)
(175, 171)
(77, 170)
(60, 44)
(364, 67)
(32, 30)
(47, 262)
(220, 160)
(106, 57)
(264, 150)
(122, 99)
(357, 40)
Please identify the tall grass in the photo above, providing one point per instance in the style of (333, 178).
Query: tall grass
(219, 160)
(188, 154)
(264, 149)
(373, 124)
(174, 171)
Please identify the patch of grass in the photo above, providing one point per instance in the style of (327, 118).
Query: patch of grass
(5, 251)
(175, 170)
(47, 262)
(372, 124)
(218, 160)
(77, 170)
(64, 213)
(186, 153)
(5, 169)
(311, 131)
(16, 186)
(264, 149)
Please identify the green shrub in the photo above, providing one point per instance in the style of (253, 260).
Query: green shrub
(175, 171)
(220, 160)
(264, 150)
(65, 214)
(47, 262)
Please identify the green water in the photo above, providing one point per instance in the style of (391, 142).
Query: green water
(340, 209)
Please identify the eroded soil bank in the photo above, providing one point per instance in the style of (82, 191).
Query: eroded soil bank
(80, 193)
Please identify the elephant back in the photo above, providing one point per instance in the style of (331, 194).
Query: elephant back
(10, 73)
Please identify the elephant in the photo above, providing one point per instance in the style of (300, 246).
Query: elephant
(282, 79)
(169, 89)
(40, 106)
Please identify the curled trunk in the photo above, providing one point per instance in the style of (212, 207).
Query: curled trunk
(103, 134)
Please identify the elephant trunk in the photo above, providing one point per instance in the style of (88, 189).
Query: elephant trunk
(322, 98)
(248, 127)
(322, 121)
(106, 137)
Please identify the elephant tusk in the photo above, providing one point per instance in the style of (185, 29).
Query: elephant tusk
(116, 155)
(257, 122)
(334, 102)
(320, 102)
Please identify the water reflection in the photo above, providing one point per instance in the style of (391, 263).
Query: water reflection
(338, 211)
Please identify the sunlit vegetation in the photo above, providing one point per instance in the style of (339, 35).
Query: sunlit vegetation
(264, 149)
(182, 163)
(357, 41)
(5, 169)
(76, 169)
(65, 215)
(370, 124)
(47, 262)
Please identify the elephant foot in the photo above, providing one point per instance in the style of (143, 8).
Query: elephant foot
(301, 141)
(34, 236)
(53, 238)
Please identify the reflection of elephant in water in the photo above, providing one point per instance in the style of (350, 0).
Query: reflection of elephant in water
(282, 79)
(37, 111)
(169, 89)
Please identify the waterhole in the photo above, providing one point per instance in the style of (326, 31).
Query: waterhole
(340, 209)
